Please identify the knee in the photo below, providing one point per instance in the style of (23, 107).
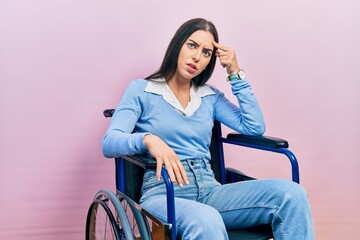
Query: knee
(295, 209)
(296, 192)
(292, 193)
(208, 225)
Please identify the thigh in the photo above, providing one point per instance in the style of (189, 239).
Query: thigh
(249, 203)
(194, 220)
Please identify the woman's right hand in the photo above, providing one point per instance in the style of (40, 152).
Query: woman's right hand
(164, 155)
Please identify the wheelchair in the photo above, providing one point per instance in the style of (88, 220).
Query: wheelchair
(119, 216)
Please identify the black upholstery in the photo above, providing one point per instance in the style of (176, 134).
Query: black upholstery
(271, 142)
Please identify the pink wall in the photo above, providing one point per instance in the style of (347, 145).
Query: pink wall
(63, 62)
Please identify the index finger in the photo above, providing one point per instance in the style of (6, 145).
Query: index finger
(219, 46)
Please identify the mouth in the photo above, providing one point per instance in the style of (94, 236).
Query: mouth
(192, 66)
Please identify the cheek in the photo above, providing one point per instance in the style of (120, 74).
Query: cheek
(184, 52)
(205, 63)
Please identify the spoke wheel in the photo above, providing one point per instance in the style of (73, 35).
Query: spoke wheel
(138, 222)
(111, 207)
(101, 224)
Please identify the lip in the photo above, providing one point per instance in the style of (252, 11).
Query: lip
(192, 66)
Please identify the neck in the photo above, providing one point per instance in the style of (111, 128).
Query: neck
(178, 87)
(181, 86)
(181, 90)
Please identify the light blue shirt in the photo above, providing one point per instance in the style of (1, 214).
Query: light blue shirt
(147, 107)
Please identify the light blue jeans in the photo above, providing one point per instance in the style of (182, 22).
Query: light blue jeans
(205, 208)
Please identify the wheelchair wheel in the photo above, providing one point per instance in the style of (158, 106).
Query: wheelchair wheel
(101, 223)
(138, 222)
(113, 224)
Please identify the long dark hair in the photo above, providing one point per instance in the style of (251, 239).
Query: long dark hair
(169, 64)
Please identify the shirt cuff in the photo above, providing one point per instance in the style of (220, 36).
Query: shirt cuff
(142, 146)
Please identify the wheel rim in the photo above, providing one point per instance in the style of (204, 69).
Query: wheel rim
(138, 222)
(101, 224)
(121, 222)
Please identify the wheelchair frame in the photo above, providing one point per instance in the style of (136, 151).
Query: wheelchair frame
(225, 175)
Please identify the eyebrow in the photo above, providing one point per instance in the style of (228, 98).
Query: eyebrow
(197, 44)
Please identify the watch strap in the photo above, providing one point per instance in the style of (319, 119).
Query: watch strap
(237, 76)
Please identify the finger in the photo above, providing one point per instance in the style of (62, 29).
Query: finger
(224, 61)
(158, 170)
(219, 46)
(221, 54)
(170, 171)
(177, 173)
(183, 173)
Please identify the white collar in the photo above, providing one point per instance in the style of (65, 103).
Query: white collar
(159, 86)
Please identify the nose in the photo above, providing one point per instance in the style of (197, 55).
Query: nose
(196, 56)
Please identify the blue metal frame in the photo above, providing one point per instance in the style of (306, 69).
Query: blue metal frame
(170, 202)
(220, 153)
(119, 172)
(285, 151)
(120, 181)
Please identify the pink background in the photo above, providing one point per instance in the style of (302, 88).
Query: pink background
(62, 62)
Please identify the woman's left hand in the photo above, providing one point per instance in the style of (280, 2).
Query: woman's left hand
(227, 58)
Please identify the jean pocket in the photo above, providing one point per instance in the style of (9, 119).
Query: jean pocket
(150, 180)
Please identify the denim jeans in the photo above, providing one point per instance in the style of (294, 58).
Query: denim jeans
(205, 208)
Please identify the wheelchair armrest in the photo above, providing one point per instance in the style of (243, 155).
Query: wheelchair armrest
(265, 141)
(142, 161)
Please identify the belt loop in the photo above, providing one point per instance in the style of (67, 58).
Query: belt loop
(190, 164)
(188, 161)
(204, 161)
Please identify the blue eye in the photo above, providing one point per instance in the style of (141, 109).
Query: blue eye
(207, 53)
(191, 45)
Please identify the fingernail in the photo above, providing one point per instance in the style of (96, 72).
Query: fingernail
(187, 182)
(180, 185)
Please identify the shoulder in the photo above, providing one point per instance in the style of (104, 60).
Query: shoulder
(211, 93)
(208, 89)
(138, 84)
(136, 87)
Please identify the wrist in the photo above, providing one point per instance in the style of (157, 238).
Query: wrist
(240, 75)
(147, 139)
(235, 72)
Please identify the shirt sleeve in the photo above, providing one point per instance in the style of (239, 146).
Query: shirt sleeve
(119, 138)
(247, 118)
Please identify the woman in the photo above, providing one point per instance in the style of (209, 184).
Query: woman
(170, 114)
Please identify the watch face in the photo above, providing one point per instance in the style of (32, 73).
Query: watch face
(242, 75)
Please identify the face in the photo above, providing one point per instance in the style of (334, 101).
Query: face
(195, 55)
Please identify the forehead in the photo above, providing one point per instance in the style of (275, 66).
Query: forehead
(202, 38)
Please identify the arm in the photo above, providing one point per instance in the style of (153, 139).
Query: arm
(247, 119)
(121, 140)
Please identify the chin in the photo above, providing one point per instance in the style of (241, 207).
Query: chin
(188, 76)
